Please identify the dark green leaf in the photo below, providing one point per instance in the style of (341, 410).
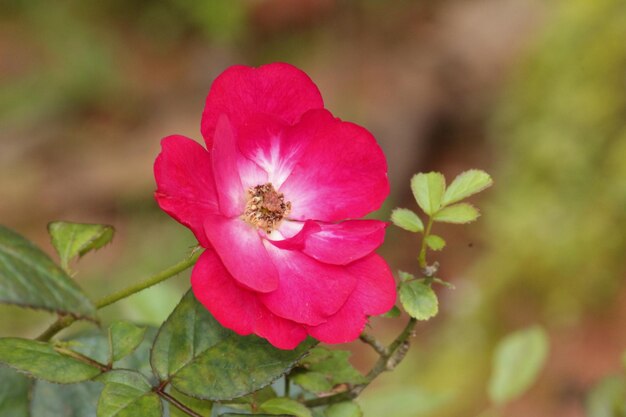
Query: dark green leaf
(435, 242)
(76, 239)
(127, 394)
(14, 398)
(202, 407)
(407, 220)
(466, 184)
(516, 364)
(124, 338)
(428, 190)
(285, 406)
(335, 364)
(419, 300)
(314, 382)
(458, 213)
(44, 361)
(204, 360)
(29, 278)
(255, 415)
(344, 409)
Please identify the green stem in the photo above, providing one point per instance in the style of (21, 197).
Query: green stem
(421, 259)
(395, 353)
(65, 321)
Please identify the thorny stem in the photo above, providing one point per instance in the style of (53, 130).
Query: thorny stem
(65, 321)
(394, 354)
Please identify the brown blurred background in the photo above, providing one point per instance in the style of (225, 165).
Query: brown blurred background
(533, 92)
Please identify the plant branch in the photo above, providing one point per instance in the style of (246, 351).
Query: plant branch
(65, 321)
(421, 259)
(374, 343)
(395, 353)
(182, 407)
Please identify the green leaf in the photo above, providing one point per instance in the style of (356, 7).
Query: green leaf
(466, 184)
(419, 300)
(405, 276)
(201, 407)
(44, 361)
(14, 397)
(204, 360)
(458, 213)
(76, 239)
(335, 364)
(516, 364)
(124, 338)
(29, 278)
(344, 409)
(285, 406)
(407, 220)
(127, 394)
(255, 415)
(607, 398)
(428, 190)
(392, 314)
(314, 382)
(435, 242)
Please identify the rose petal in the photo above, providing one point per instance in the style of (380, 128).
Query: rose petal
(336, 243)
(375, 293)
(277, 89)
(237, 308)
(308, 291)
(241, 249)
(230, 191)
(344, 173)
(185, 186)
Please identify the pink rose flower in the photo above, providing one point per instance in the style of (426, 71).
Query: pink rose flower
(275, 199)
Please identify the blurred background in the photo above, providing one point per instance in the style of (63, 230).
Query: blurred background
(533, 92)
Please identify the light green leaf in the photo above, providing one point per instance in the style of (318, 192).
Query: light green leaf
(344, 409)
(285, 406)
(206, 361)
(314, 382)
(76, 239)
(466, 184)
(42, 360)
(516, 364)
(127, 394)
(405, 276)
(428, 190)
(607, 398)
(14, 398)
(124, 338)
(392, 314)
(407, 220)
(435, 242)
(419, 300)
(458, 213)
(29, 278)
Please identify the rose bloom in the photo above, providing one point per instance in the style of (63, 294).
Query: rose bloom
(275, 199)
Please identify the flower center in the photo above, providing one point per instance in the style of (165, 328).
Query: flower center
(265, 207)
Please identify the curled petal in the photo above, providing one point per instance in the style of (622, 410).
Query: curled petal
(336, 243)
(242, 251)
(237, 308)
(185, 185)
(344, 173)
(278, 89)
(375, 293)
